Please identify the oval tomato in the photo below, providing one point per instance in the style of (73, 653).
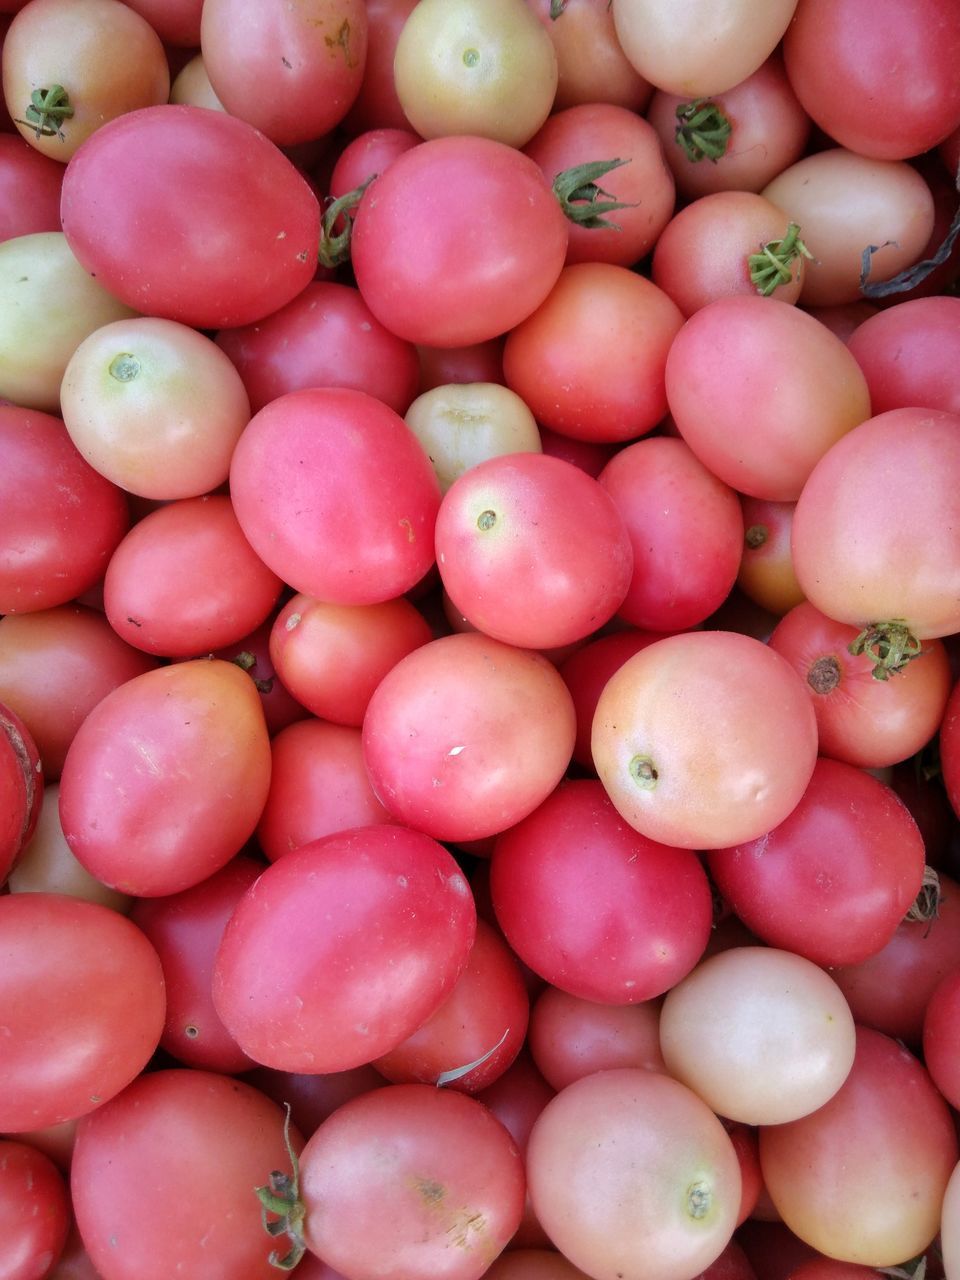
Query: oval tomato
(191, 215)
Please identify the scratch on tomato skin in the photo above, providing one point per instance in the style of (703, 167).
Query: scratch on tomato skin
(342, 41)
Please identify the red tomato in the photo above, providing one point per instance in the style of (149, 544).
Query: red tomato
(326, 337)
(592, 66)
(318, 785)
(487, 732)
(910, 355)
(619, 926)
(74, 974)
(401, 924)
(171, 1130)
(686, 528)
(34, 1212)
(185, 581)
(167, 777)
(862, 1178)
(294, 72)
(705, 739)
(411, 1183)
(315, 466)
(504, 265)
(186, 928)
(901, 59)
(941, 1033)
(532, 551)
(21, 788)
(571, 1037)
(377, 105)
(29, 189)
(590, 361)
(153, 198)
(483, 1021)
(833, 881)
(758, 423)
(766, 569)
(55, 540)
(905, 463)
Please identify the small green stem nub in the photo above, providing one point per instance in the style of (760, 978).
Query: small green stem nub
(580, 197)
(702, 130)
(773, 265)
(47, 111)
(335, 247)
(556, 8)
(889, 645)
(281, 1196)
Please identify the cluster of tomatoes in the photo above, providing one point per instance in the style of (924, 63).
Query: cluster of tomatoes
(479, 589)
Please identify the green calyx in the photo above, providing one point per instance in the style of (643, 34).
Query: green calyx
(773, 265)
(47, 111)
(281, 1197)
(889, 646)
(583, 202)
(335, 245)
(702, 130)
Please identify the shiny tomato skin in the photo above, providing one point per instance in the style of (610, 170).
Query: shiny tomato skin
(448, 188)
(73, 973)
(34, 1212)
(335, 494)
(163, 1178)
(167, 777)
(342, 948)
(191, 215)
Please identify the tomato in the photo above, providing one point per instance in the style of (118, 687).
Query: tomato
(590, 361)
(768, 131)
(877, 78)
(167, 777)
(190, 182)
(631, 1154)
(699, 48)
(862, 1178)
(377, 105)
(762, 1035)
(941, 1021)
(47, 864)
(318, 785)
(844, 202)
(464, 423)
(726, 243)
(34, 1212)
(619, 926)
(333, 656)
(103, 53)
(686, 529)
(591, 64)
(155, 407)
(367, 155)
(705, 739)
(74, 973)
(185, 929)
(192, 88)
(177, 22)
(909, 354)
(860, 719)
(411, 1183)
(484, 67)
(906, 463)
(483, 1021)
(314, 465)
(21, 788)
(833, 881)
(302, 998)
(55, 540)
(487, 732)
(45, 289)
(533, 1264)
(571, 1037)
(294, 72)
(447, 187)
(29, 189)
(766, 569)
(642, 182)
(171, 1131)
(516, 564)
(758, 423)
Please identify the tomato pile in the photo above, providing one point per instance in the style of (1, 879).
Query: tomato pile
(479, 614)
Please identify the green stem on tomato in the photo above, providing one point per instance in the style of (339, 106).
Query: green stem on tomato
(335, 246)
(281, 1197)
(583, 202)
(889, 645)
(47, 111)
(773, 265)
(702, 130)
